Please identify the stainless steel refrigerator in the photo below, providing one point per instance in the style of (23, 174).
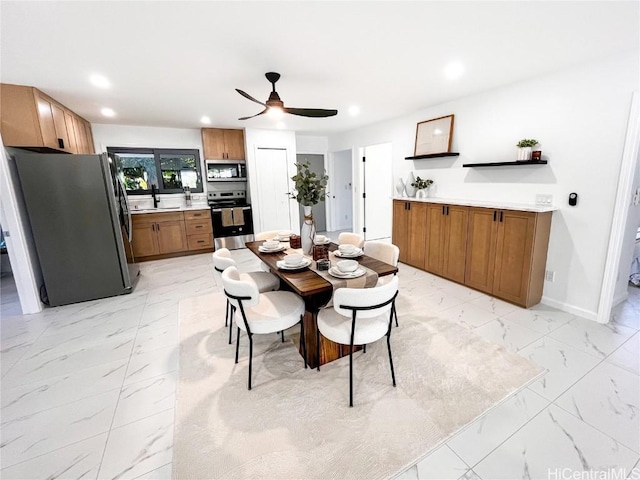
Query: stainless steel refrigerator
(81, 224)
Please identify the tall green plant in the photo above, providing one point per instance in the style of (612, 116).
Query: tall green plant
(309, 187)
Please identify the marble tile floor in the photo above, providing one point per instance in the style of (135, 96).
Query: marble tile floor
(88, 390)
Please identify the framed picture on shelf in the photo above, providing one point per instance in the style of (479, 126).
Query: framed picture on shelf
(434, 136)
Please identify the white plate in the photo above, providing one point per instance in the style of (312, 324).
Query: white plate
(334, 272)
(271, 250)
(326, 242)
(283, 266)
(358, 253)
(281, 239)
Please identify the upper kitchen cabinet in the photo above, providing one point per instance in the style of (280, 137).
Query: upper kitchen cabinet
(223, 144)
(31, 119)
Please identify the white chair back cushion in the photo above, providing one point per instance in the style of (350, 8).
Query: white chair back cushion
(222, 259)
(385, 252)
(351, 239)
(365, 297)
(240, 288)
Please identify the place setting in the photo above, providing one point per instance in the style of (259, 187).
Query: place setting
(272, 246)
(293, 261)
(348, 251)
(283, 236)
(346, 269)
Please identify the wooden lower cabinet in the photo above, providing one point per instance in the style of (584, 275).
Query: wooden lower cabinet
(166, 234)
(499, 252)
(409, 231)
(400, 230)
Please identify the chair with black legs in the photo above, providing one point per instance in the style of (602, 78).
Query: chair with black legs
(261, 313)
(266, 282)
(360, 316)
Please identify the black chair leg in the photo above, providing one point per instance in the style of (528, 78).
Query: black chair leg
(395, 314)
(303, 341)
(250, 358)
(317, 347)
(237, 343)
(226, 314)
(393, 375)
(232, 310)
(364, 348)
(351, 376)
(282, 335)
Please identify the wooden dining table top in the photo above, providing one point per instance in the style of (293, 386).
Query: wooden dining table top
(307, 282)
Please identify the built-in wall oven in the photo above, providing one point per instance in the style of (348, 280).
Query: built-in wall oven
(231, 218)
(226, 171)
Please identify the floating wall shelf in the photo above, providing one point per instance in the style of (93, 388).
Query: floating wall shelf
(503, 164)
(433, 155)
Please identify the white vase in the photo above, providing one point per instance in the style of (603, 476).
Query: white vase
(524, 153)
(411, 191)
(307, 230)
(400, 187)
(422, 193)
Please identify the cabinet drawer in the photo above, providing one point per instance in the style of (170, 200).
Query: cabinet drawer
(200, 241)
(142, 218)
(197, 214)
(195, 227)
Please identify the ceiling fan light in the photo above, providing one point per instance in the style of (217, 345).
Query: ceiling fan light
(275, 112)
(206, 120)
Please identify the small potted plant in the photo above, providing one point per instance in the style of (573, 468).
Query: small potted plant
(421, 185)
(310, 189)
(524, 148)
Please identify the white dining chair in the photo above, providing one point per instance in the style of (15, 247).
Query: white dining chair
(359, 316)
(387, 253)
(261, 313)
(351, 238)
(264, 281)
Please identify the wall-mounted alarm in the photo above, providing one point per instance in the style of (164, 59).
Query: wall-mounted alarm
(573, 199)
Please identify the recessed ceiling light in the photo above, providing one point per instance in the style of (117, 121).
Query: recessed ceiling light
(108, 112)
(100, 81)
(280, 125)
(354, 110)
(454, 70)
(206, 120)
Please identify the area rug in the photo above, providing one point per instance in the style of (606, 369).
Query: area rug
(297, 424)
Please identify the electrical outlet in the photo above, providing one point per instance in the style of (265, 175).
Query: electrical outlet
(544, 199)
(550, 276)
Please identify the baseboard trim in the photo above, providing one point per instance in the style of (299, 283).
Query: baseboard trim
(565, 307)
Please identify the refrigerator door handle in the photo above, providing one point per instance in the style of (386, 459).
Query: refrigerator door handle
(123, 191)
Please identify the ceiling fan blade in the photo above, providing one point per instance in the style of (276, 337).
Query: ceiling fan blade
(247, 118)
(246, 95)
(310, 112)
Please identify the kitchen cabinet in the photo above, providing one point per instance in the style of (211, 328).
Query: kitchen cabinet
(409, 231)
(497, 251)
(31, 119)
(507, 253)
(446, 240)
(158, 234)
(199, 229)
(223, 144)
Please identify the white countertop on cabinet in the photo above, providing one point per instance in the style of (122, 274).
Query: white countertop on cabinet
(526, 207)
(202, 206)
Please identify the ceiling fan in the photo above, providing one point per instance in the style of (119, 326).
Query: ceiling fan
(275, 102)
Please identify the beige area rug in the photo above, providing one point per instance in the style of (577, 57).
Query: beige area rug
(297, 424)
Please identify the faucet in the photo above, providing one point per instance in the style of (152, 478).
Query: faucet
(154, 192)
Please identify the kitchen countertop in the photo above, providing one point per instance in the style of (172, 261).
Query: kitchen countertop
(526, 207)
(202, 206)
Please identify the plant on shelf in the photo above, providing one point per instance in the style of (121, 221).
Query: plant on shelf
(524, 148)
(310, 189)
(421, 185)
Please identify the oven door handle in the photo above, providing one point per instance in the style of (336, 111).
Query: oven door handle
(218, 210)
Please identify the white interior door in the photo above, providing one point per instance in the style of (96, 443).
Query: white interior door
(341, 191)
(378, 191)
(272, 175)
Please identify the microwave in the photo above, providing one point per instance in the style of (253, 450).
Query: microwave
(226, 171)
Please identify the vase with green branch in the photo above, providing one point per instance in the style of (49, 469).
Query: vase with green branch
(309, 190)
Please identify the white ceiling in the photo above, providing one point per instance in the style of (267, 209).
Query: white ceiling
(172, 62)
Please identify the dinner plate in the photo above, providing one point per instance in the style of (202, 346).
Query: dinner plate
(271, 250)
(283, 266)
(334, 272)
(281, 239)
(356, 254)
(326, 242)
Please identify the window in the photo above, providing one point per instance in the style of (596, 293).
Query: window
(169, 170)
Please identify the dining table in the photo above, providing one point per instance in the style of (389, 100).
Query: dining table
(316, 292)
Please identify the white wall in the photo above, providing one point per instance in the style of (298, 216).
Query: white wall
(579, 116)
(255, 138)
(312, 144)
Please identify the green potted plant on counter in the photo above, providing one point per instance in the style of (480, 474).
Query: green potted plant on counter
(422, 187)
(524, 148)
(310, 189)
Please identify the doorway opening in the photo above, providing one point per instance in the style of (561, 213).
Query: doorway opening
(341, 192)
(377, 191)
(319, 211)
